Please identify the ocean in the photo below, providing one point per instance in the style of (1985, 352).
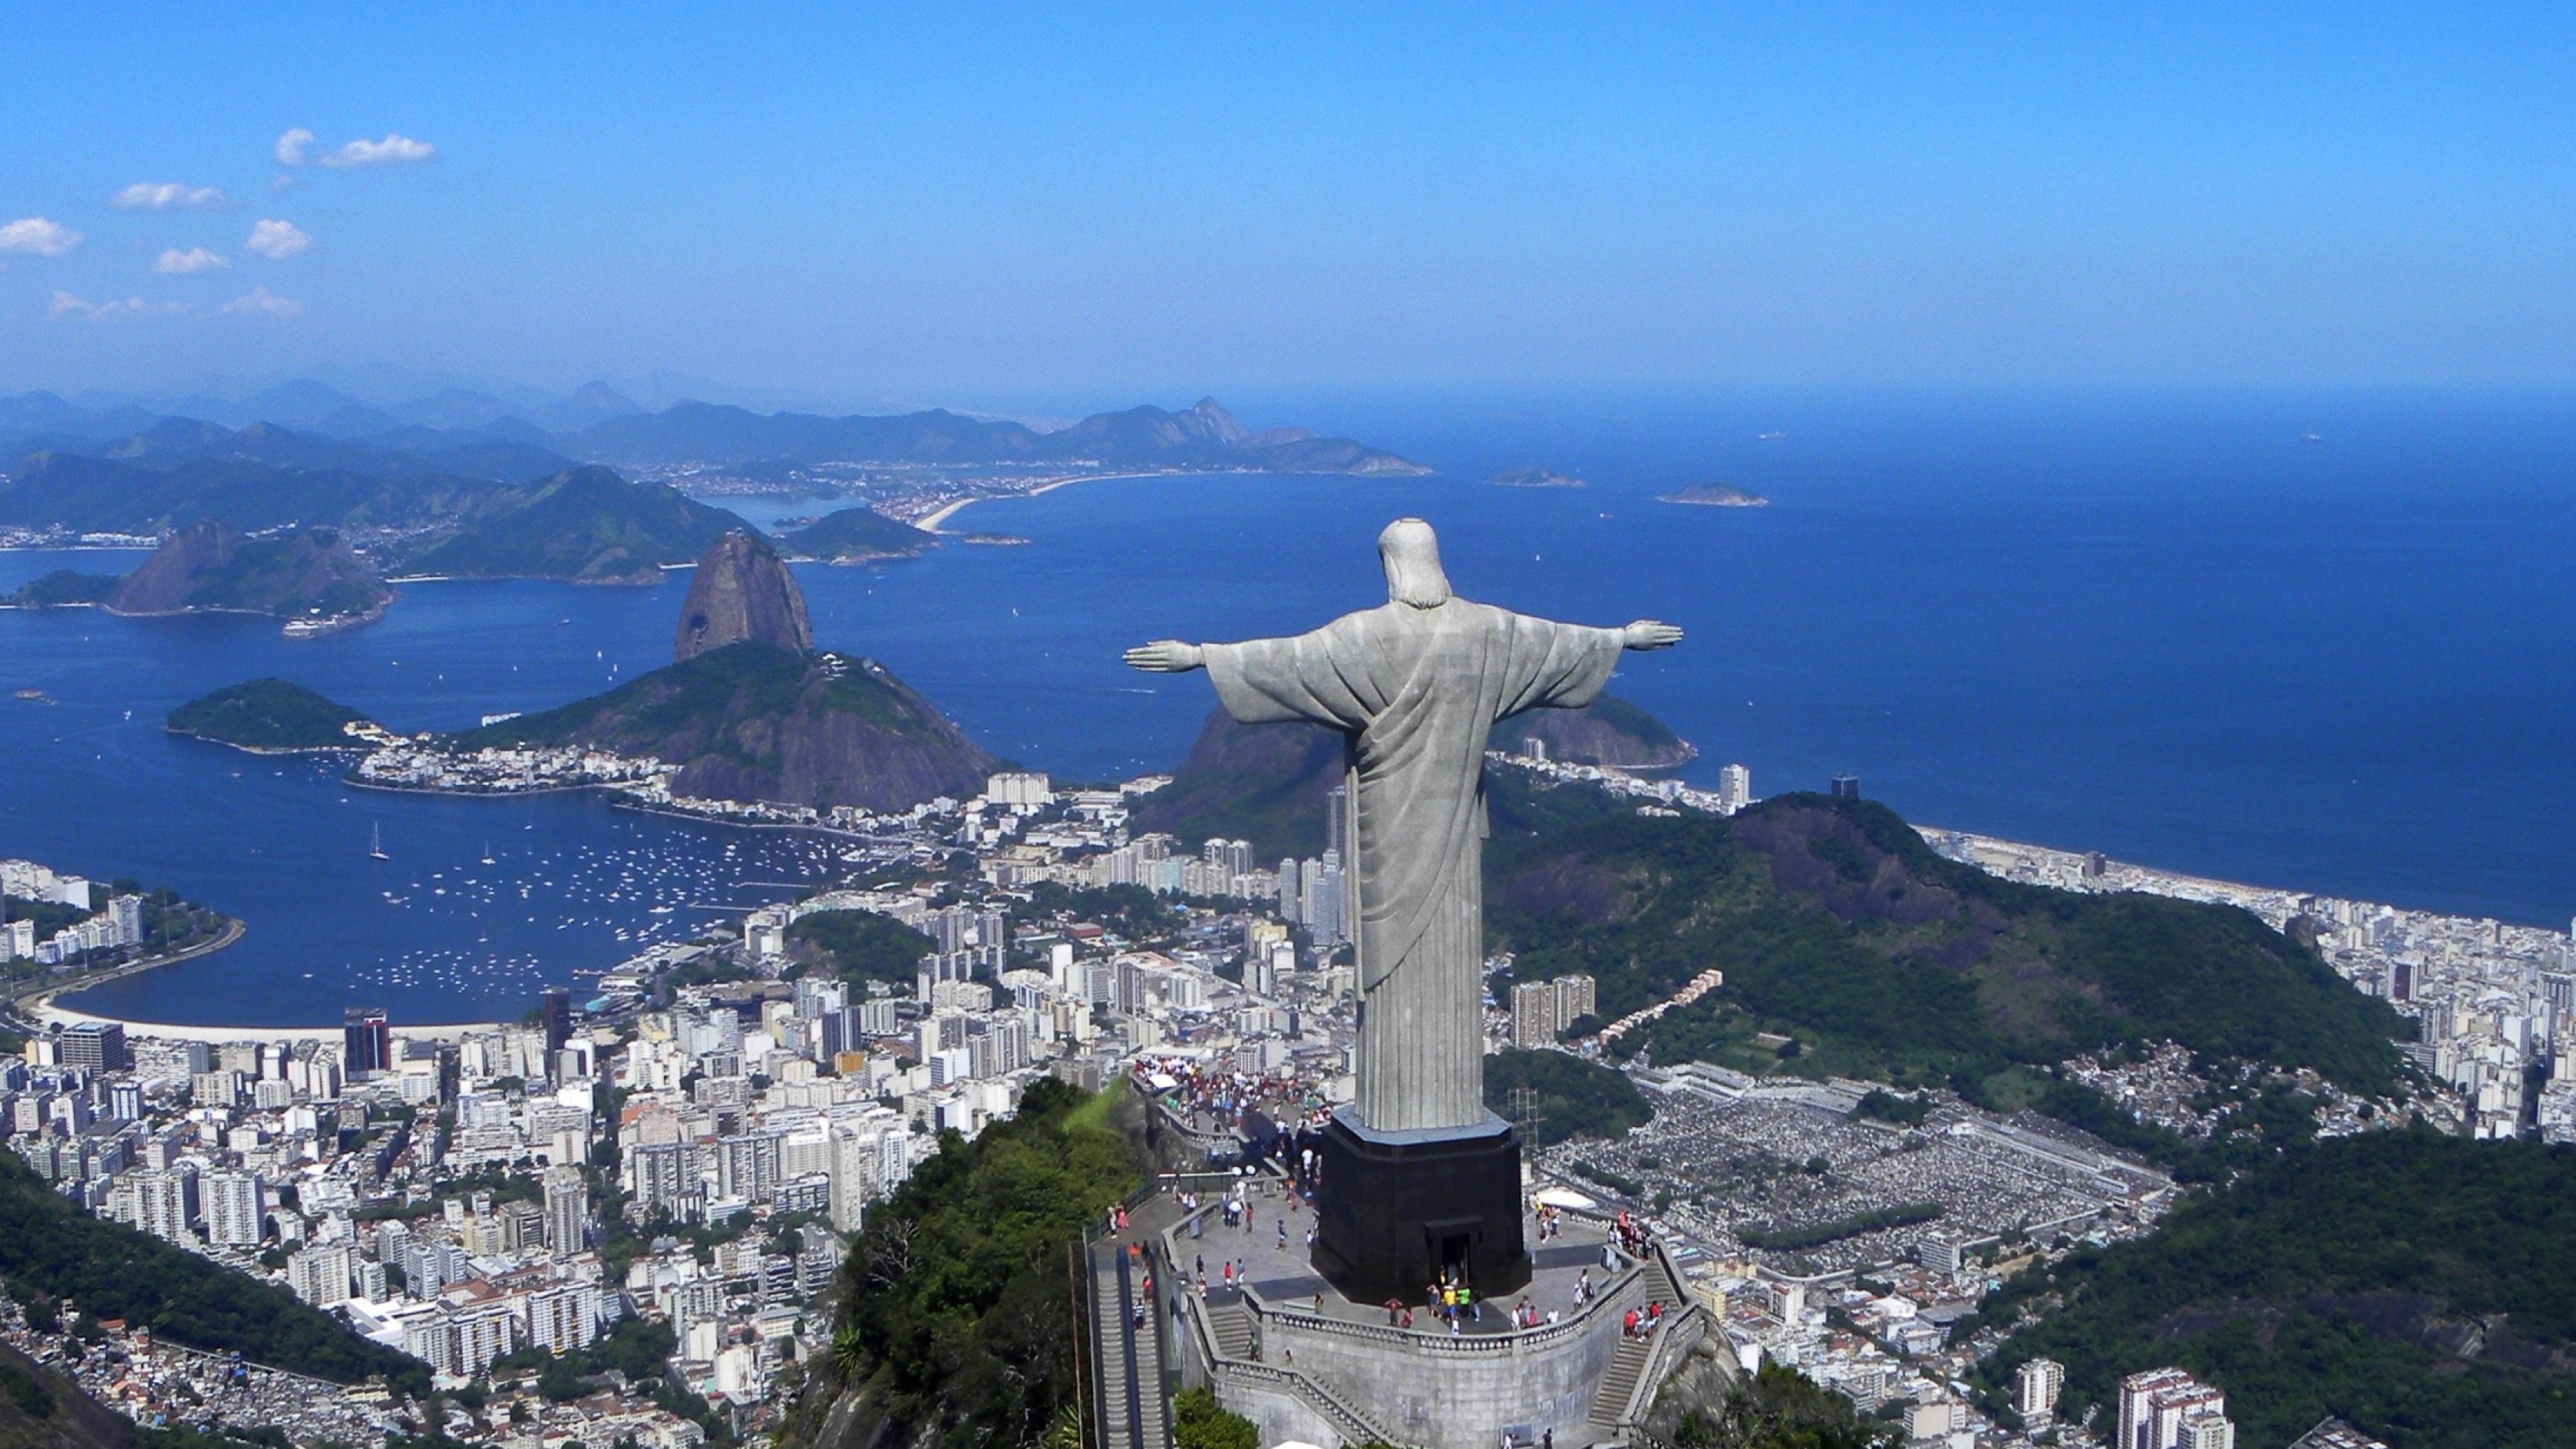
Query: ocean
(2316, 641)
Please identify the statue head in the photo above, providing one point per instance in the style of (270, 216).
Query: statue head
(1411, 554)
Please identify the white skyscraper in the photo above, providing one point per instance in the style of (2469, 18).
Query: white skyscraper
(1734, 788)
(232, 1201)
(2035, 1388)
(567, 1211)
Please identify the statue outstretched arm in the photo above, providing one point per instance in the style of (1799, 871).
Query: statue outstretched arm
(1650, 634)
(1166, 656)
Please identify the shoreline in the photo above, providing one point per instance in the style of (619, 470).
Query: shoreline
(43, 1007)
(618, 799)
(930, 522)
(37, 1007)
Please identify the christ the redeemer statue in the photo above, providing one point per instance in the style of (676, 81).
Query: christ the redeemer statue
(1415, 686)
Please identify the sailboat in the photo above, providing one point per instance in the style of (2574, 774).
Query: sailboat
(376, 841)
(487, 852)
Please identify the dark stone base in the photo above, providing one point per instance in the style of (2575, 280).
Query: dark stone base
(1394, 1209)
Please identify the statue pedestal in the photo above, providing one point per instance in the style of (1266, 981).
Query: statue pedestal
(1394, 1209)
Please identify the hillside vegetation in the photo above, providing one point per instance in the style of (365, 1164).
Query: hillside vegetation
(51, 1251)
(2420, 1286)
(1569, 1096)
(265, 714)
(301, 573)
(855, 535)
(956, 1326)
(584, 524)
(862, 946)
(1838, 926)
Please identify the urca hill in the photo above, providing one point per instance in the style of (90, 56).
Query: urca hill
(749, 710)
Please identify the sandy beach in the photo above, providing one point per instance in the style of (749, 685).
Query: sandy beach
(930, 522)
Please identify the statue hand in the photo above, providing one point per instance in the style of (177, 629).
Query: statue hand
(1165, 656)
(1652, 634)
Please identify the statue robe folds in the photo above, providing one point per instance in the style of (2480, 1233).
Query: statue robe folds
(1416, 691)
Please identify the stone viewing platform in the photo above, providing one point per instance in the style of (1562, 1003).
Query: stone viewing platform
(1288, 1351)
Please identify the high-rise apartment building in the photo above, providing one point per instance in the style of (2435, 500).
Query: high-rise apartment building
(232, 1202)
(2167, 1408)
(567, 1211)
(2036, 1385)
(1542, 1010)
(366, 1042)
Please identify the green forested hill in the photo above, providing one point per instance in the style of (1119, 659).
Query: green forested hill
(956, 1327)
(855, 535)
(51, 1251)
(2421, 1286)
(1569, 1096)
(266, 714)
(1836, 925)
(585, 524)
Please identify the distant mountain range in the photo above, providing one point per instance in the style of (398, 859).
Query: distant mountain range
(310, 426)
(464, 484)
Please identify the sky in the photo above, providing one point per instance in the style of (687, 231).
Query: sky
(1090, 205)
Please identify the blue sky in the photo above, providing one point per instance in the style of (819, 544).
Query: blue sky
(1087, 204)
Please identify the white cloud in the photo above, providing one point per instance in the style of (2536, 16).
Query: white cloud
(278, 240)
(167, 196)
(295, 147)
(35, 236)
(68, 308)
(391, 151)
(263, 303)
(194, 262)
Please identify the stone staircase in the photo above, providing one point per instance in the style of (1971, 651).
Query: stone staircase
(1614, 1405)
(1132, 1411)
(1231, 1327)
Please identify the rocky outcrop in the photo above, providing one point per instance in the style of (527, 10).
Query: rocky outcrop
(1264, 783)
(752, 721)
(307, 573)
(742, 592)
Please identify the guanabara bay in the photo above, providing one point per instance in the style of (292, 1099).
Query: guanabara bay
(1854, 734)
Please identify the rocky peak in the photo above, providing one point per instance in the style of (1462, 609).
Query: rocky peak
(741, 591)
(1209, 419)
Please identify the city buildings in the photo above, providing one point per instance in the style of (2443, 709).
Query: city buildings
(1542, 1010)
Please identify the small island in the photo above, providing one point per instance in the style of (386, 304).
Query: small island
(272, 717)
(856, 536)
(1534, 478)
(1714, 495)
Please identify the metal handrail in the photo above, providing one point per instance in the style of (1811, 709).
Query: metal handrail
(1684, 1329)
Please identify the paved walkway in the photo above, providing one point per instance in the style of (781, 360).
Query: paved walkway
(1279, 1267)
